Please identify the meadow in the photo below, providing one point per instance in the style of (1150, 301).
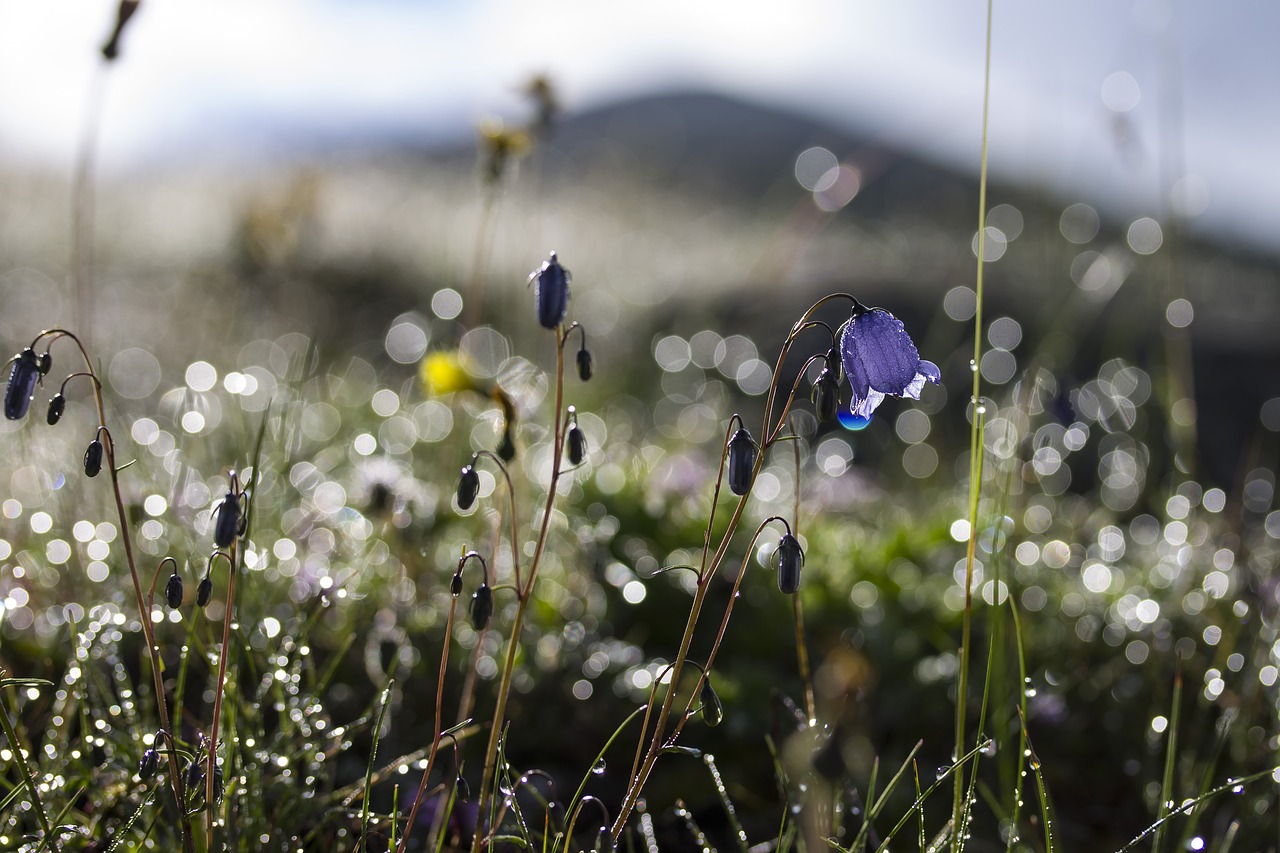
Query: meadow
(337, 517)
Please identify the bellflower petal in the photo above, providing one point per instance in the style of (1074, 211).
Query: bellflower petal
(881, 360)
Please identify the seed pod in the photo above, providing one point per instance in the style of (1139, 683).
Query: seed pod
(742, 461)
(173, 590)
(468, 487)
(712, 710)
(552, 292)
(584, 364)
(788, 559)
(577, 443)
(462, 789)
(93, 458)
(147, 766)
(204, 592)
(226, 524)
(481, 607)
(22, 384)
(57, 405)
(826, 395)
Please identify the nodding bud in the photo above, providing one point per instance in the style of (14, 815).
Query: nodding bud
(788, 559)
(45, 363)
(57, 405)
(204, 592)
(584, 364)
(226, 525)
(577, 444)
(111, 49)
(462, 789)
(93, 458)
(173, 590)
(468, 487)
(147, 766)
(195, 776)
(826, 395)
(712, 710)
(742, 461)
(22, 384)
(455, 585)
(552, 288)
(604, 841)
(481, 607)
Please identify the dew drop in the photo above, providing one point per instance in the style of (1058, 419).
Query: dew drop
(853, 422)
(973, 366)
(599, 768)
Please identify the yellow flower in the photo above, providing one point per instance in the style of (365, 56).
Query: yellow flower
(442, 372)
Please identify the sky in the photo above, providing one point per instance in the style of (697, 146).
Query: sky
(1140, 106)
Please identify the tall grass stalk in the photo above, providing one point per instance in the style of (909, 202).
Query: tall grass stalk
(976, 444)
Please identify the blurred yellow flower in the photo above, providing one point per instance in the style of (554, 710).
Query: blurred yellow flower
(442, 372)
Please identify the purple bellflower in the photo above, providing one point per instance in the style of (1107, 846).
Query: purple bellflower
(880, 360)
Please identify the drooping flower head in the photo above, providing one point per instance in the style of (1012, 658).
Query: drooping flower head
(880, 360)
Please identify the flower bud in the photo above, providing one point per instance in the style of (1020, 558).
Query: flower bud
(742, 461)
(712, 710)
(57, 405)
(577, 443)
(462, 789)
(507, 450)
(226, 525)
(826, 395)
(147, 766)
(455, 585)
(22, 384)
(195, 777)
(173, 590)
(204, 592)
(552, 292)
(93, 458)
(788, 559)
(584, 364)
(481, 607)
(468, 487)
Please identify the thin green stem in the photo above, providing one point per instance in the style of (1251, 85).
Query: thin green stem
(28, 779)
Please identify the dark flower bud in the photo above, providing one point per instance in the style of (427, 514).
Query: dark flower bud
(195, 777)
(826, 395)
(45, 363)
(22, 384)
(57, 405)
(788, 559)
(712, 710)
(204, 592)
(577, 443)
(455, 585)
(481, 607)
(93, 458)
(147, 766)
(226, 522)
(584, 364)
(552, 292)
(462, 789)
(468, 487)
(742, 461)
(173, 590)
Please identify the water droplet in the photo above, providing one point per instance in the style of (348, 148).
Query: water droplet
(1031, 693)
(1238, 789)
(989, 748)
(943, 770)
(973, 366)
(599, 768)
(853, 422)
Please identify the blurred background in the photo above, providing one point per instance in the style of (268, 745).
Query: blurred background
(295, 201)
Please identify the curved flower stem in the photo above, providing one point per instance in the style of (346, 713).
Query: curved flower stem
(511, 497)
(524, 594)
(435, 742)
(212, 758)
(144, 612)
(710, 565)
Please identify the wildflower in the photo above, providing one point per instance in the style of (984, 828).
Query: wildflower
(481, 607)
(881, 360)
(443, 372)
(742, 461)
(552, 291)
(173, 590)
(57, 405)
(93, 458)
(22, 384)
(468, 487)
(226, 525)
(788, 559)
(712, 710)
(500, 146)
(147, 766)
